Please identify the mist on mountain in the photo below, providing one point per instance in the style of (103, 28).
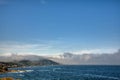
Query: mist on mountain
(89, 59)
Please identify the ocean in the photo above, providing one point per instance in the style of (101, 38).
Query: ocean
(66, 72)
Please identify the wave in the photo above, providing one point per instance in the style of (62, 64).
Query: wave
(21, 71)
(101, 76)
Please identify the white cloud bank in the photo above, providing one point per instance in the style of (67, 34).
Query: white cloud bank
(52, 48)
(95, 51)
(89, 59)
(86, 56)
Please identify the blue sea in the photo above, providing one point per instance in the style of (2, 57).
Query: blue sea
(66, 72)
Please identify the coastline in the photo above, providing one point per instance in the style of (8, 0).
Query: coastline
(7, 78)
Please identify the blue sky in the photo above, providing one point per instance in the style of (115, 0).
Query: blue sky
(57, 26)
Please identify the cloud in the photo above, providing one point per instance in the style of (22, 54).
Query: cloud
(89, 59)
(18, 47)
(97, 51)
(36, 47)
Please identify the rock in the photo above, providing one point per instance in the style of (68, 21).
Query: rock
(7, 78)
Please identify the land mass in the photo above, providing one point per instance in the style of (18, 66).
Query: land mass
(5, 65)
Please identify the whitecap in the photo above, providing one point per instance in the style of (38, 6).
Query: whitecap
(29, 70)
(101, 76)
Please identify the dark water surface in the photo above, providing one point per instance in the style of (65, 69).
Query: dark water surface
(71, 72)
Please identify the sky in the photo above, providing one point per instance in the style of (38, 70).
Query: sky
(49, 27)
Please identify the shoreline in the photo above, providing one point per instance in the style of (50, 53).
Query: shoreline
(7, 78)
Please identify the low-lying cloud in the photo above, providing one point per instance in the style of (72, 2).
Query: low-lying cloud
(90, 59)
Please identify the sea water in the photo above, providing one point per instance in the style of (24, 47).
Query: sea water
(66, 72)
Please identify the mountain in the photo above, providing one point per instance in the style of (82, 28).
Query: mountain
(37, 62)
(25, 60)
(15, 57)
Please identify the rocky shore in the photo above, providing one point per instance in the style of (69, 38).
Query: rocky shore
(4, 66)
(7, 78)
(4, 69)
